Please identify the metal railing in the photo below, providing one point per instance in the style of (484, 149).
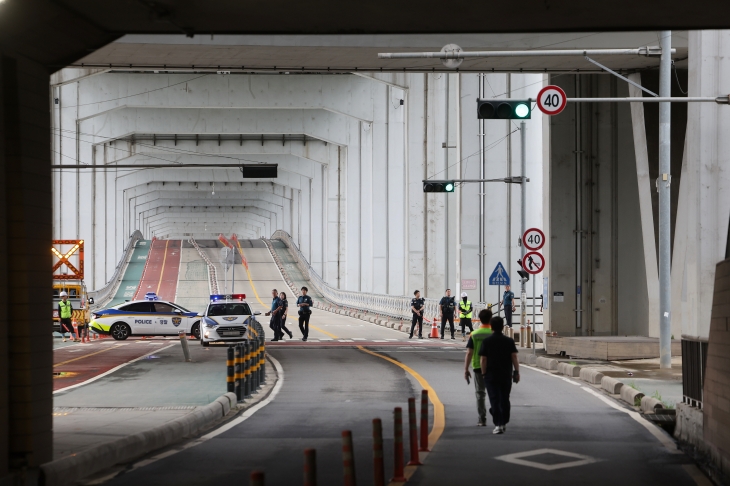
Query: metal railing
(212, 274)
(694, 363)
(107, 292)
(398, 307)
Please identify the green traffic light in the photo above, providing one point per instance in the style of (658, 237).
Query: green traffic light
(522, 110)
(449, 187)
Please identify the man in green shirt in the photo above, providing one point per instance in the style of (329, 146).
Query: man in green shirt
(472, 359)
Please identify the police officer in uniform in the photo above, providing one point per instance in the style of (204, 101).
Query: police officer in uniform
(417, 304)
(465, 311)
(447, 305)
(275, 323)
(508, 301)
(304, 302)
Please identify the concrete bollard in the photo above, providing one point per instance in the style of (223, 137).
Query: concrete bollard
(399, 471)
(591, 375)
(611, 385)
(230, 371)
(569, 369)
(237, 372)
(424, 421)
(547, 363)
(378, 463)
(523, 331)
(348, 458)
(257, 478)
(413, 433)
(185, 348)
(631, 395)
(310, 467)
(528, 335)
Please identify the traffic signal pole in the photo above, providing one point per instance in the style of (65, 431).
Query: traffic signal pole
(665, 204)
(523, 227)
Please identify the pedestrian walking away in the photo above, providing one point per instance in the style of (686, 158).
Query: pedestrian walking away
(65, 311)
(304, 302)
(498, 362)
(473, 360)
(275, 322)
(508, 301)
(447, 307)
(465, 311)
(417, 304)
(284, 311)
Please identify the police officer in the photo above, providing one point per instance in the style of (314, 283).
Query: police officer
(304, 302)
(465, 311)
(275, 323)
(417, 303)
(508, 301)
(447, 305)
(65, 311)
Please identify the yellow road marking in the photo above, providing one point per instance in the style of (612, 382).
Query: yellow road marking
(164, 259)
(86, 356)
(439, 415)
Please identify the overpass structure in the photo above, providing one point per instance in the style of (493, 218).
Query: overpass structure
(353, 137)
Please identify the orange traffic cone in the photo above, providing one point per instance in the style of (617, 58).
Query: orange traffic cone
(434, 330)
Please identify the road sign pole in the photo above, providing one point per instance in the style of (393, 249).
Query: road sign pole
(523, 209)
(534, 324)
(665, 208)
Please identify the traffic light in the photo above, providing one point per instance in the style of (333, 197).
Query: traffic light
(504, 109)
(438, 186)
(522, 273)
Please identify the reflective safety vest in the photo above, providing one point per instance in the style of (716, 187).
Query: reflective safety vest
(463, 308)
(477, 337)
(65, 309)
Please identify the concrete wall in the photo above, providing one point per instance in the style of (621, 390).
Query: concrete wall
(351, 196)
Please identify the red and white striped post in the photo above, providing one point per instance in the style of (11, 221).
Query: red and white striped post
(424, 421)
(378, 465)
(413, 433)
(399, 472)
(348, 458)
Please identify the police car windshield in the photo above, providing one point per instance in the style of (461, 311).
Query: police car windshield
(229, 309)
(182, 308)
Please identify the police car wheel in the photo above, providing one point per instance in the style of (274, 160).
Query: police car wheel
(120, 331)
(195, 330)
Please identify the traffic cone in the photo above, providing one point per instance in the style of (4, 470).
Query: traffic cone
(434, 330)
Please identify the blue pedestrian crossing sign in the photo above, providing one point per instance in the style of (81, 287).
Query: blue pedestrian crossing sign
(499, 276)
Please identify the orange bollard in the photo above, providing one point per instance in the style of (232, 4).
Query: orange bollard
(257, 478)
(310, 467)
(434, 330)
(424, 421)
(348, 458)
(399, 472)
(413, 433)
(378, 465)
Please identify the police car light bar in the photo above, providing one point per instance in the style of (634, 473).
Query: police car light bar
(216, 297)
(151, 296)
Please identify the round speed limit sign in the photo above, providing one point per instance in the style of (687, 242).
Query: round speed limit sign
(551, 100)
(533, 239)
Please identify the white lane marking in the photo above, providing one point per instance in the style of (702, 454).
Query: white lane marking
(227, 426)
(554, 376)
(653, 429)
(111, 370)
(380, 341)
(520, 459)
(75, 350)
(346, 340)
(359, 339)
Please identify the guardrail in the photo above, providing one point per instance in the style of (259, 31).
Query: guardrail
(388, 305)
(694, 363)
(212, 274)
(107, 292)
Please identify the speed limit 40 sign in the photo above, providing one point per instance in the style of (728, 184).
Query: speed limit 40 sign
(533, 239)
(551, 100)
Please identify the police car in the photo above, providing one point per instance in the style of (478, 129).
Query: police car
(148, 317)
(226, 319)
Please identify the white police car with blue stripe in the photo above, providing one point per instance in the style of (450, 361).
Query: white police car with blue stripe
(226, 319)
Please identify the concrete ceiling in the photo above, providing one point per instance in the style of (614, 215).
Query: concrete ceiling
(296, 53)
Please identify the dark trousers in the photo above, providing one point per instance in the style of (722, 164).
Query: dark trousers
(465, 322)
(417, 319)
(508, 316)
(450, 319)
(304, 324)
(498, 390)
(275, 325)
(283, 327)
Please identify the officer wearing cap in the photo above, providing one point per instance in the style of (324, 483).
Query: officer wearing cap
(447, 306)
(304, 302)
(417, 303)
(65, 311)
(465, 312)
